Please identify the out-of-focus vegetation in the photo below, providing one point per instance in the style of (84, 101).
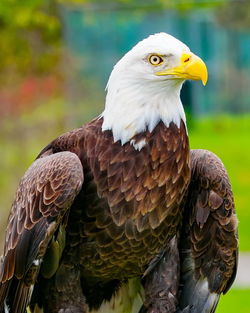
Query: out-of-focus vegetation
(30, 54)
(30, 37)
(236, 300)
(235, 14)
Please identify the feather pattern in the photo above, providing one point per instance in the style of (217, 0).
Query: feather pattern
(210, 241)
(127, 207)
(137, 188)
(45, 193)
(122, 218)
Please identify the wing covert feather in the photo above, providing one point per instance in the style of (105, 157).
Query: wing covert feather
(209, 243)
(45, 192)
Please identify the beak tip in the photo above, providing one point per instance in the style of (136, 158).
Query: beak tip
(204, 82)
(204, 78)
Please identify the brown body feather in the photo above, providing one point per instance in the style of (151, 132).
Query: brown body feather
(121, 224)
(129, 206)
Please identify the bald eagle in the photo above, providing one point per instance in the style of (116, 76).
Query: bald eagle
(120, 215)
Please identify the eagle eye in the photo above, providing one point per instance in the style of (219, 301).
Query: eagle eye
(155, 59)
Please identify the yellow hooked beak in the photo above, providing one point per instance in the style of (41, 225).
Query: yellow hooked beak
(191, 67)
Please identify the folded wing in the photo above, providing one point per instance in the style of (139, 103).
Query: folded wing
(209, 244)
(44, 195)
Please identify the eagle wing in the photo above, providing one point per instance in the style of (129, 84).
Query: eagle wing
(44, 195)
(209, 241)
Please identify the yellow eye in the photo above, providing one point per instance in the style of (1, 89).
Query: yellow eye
(155, 59)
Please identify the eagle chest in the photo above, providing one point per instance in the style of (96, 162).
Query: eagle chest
(131, 198)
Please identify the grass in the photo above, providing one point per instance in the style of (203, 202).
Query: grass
(236, 300)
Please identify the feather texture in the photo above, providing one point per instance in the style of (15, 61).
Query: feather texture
(209, 242)
(45, 193)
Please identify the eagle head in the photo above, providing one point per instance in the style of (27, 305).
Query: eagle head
(144, 86)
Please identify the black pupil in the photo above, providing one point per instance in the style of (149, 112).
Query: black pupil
(155, 59)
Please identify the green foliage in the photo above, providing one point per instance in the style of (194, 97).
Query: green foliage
(236, 300)
(235, 14)
(175, 4)
(30, 37)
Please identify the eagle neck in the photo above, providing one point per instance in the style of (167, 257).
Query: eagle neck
(137, 108)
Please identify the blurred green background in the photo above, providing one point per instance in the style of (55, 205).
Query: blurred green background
(55, 59)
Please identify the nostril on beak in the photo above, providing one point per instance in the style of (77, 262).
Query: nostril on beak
(187, 59)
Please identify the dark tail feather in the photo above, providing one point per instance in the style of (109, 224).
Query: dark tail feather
(14, 296)
(143, 309)
(196, 297)
(3, 293)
